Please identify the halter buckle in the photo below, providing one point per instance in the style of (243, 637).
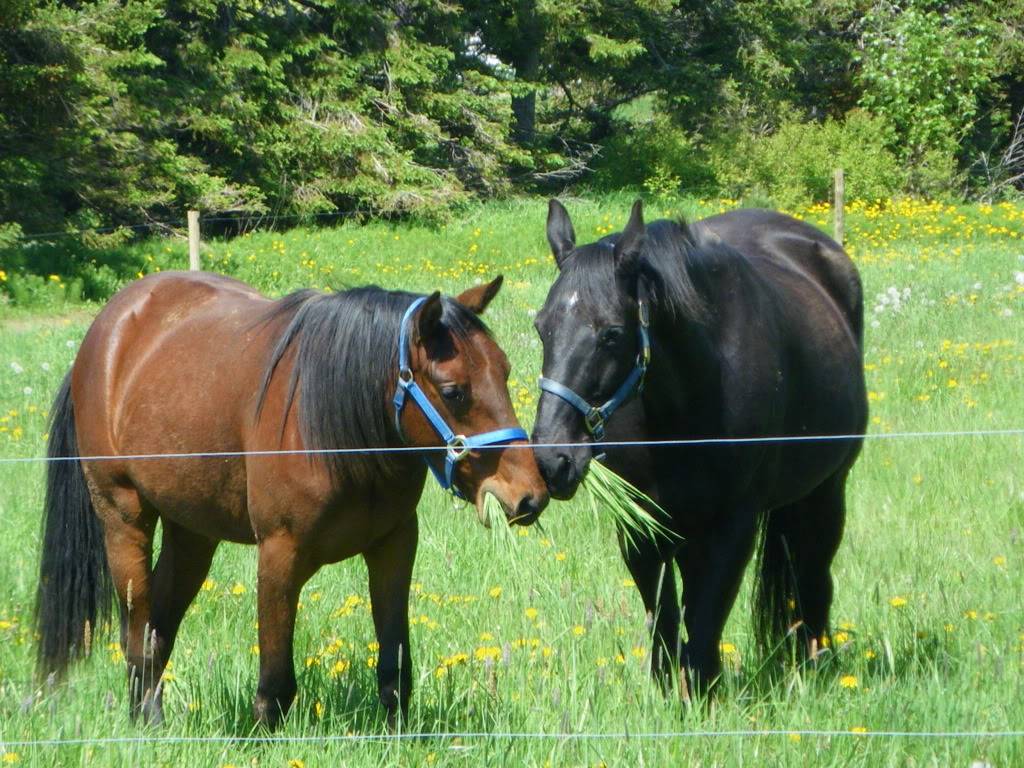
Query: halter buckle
(645, 317)
(594, 420)
(405, 375)
(457, 448)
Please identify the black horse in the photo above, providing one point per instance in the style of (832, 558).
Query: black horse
(743, 325)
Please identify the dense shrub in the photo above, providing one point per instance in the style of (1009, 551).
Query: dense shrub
(653, 155)
(795, 164)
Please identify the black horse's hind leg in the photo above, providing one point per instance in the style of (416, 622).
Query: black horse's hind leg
(180, 571)
(650, 564)
(389, 565)
(813, 528)
(712, 565)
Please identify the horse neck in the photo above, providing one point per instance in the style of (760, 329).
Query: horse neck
(683, 383)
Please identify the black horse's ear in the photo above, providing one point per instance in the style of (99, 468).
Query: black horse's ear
(428, 319)
(631, 242)
(561, 235)
(478, 297)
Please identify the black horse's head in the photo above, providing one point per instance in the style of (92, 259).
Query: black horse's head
(590, 329)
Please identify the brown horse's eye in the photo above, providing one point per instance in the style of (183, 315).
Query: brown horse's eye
(453, 394)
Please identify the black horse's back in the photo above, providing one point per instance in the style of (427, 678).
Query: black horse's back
(762, 233)
(75, 588)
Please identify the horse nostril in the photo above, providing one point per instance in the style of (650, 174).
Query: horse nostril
(563, 465)
(528, 509)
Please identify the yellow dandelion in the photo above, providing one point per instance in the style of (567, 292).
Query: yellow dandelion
(238, 589)
(858, 729)
(898, 601)
(579, 630)
(999, 560)
(849, 681)
(495, 592)
(531, 613)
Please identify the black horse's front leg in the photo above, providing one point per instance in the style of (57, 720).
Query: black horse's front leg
(650, 564)
(390, 565)
(712, 565)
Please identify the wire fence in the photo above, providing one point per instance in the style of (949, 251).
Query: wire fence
(470, 736)
(165, 225)
(681, 442)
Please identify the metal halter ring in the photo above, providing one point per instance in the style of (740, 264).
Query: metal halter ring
(457, 448)
(405, 375)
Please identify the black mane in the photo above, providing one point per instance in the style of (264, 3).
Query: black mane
(346, 367)
(669, 254)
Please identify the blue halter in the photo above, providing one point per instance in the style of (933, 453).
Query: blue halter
(458, 446)
(595, 416)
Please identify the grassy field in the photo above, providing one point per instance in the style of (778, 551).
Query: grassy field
(550, 638)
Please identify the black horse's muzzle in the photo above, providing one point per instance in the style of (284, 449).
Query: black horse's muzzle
(563, 468)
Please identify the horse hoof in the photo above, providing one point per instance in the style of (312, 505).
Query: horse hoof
(267, 713)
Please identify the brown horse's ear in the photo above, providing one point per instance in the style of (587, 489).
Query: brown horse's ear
(631, 241)
(561, 235)
(478, 297)
(428, 319)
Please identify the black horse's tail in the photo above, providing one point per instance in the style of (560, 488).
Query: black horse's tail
(75, 588)
(775, 591)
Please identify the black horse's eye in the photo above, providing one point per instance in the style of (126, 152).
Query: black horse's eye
(453, 393)
(610, 336)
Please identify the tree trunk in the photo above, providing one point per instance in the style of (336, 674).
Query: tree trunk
(527, 64)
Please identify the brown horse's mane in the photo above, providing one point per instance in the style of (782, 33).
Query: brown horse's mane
(345, 368)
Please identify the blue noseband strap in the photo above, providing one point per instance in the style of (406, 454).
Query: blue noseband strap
(458, 446)
(595, 416)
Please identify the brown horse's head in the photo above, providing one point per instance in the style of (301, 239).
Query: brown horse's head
(464, 374)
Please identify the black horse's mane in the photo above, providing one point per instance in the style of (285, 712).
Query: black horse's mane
(346, 366)
(671, 258)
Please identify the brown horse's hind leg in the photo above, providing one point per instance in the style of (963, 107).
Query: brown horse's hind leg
(128, 534)
(281, 574)
(390, 570)
(181, 568)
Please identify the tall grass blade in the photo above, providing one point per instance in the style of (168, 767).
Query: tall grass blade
(609, 493)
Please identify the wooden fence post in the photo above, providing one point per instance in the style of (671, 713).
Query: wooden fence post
(837, 206)
(193, 241)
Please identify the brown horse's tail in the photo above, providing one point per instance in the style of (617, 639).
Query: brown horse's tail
(75, 589)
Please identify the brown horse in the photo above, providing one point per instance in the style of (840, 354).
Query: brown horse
(181, 362)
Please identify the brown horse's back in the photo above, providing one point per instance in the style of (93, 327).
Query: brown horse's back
(153, 376)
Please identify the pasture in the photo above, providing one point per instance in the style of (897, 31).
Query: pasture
(548, 636)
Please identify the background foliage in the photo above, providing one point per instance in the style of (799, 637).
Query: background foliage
(118, 113)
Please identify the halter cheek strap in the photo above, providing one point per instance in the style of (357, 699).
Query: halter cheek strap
(595, 416)
(458, 446)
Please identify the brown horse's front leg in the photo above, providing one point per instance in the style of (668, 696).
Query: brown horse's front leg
(390, 568)
(281, 574)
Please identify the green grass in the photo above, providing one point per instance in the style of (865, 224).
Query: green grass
(548, 635)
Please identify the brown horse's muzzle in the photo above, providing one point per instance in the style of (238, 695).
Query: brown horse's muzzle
(516, 483)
